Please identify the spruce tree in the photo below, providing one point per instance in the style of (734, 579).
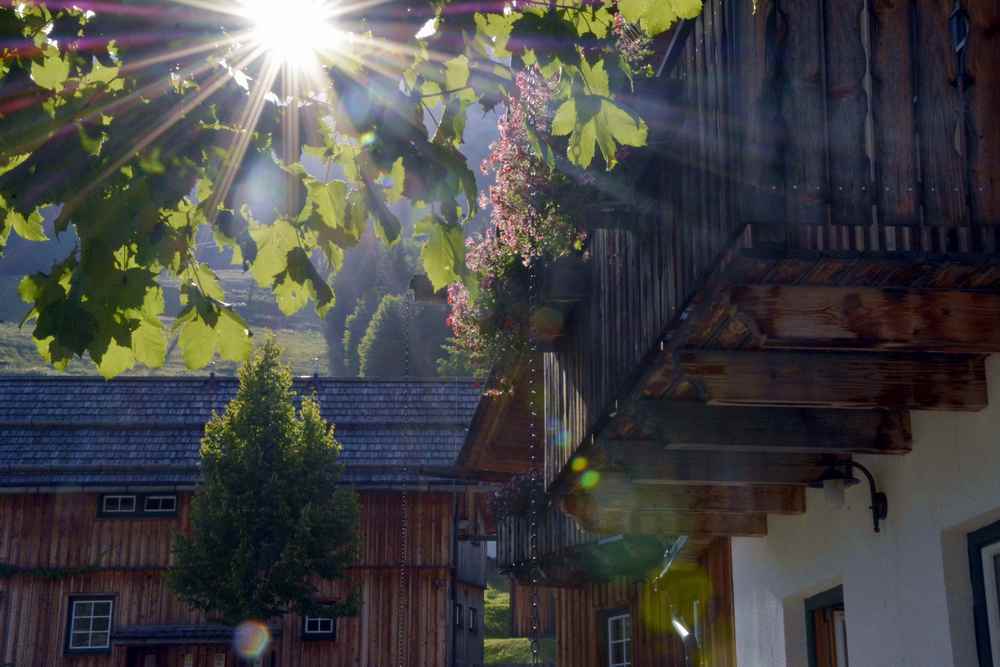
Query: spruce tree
(270, 516)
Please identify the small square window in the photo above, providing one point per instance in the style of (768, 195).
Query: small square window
(319, 627)
(118, 504)
(458, 615)
(89, 629)
(160, 504)
(473, 620)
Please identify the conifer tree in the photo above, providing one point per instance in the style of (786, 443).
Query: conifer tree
(270, 516)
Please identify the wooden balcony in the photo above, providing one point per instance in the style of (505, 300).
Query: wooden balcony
(568, 555)
(819, 255)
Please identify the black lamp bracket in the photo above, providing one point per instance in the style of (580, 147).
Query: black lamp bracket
(880, 502)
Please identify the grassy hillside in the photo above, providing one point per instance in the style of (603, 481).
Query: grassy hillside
(301, 336)
(517, 651)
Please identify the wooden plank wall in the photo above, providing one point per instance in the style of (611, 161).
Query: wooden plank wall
(63, 530)
(640, 279)
(554, 532)
(655, 642)
(521, 598)
(833, 126)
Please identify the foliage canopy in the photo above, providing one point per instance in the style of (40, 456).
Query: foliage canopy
(133, 147)
(270, 515)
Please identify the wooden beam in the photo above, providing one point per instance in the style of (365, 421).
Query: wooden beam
(678, 425)
(693, 524)
(837, 379)
(871, 318)
(641, 462)
(617, 493)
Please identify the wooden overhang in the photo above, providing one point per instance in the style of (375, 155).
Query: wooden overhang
(499, 440)
(821, 256)
(785, 364)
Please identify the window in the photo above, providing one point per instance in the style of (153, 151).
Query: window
(118, 504)
(619, 629)
(137, 505)
(984, 571)
(319, 627)
(826, 629)
(89, 627)
(160, 504)
(458, 615)
(473, 620)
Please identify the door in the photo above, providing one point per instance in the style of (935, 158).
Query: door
(826, 629)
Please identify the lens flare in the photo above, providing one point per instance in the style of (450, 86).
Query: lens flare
(589, 479)
(292, 31)
(579, 464)
(251, 639)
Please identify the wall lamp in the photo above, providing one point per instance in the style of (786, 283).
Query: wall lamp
(839, 476)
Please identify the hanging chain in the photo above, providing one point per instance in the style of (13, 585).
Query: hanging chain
(407, 326)
(536, 658)
(404, 563)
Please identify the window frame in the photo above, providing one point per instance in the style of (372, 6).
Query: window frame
(473, 620)
(979, 540)
(139, 510)
(459, 615)
(68, 648)
(604, 618)
(626, 641)
(330, 635)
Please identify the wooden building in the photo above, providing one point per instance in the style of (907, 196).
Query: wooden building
(816, 256)
(96, 478)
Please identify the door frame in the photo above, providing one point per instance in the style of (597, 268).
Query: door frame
(830, 598)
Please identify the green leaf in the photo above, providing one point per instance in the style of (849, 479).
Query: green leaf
(456, 73)
(273, 244)
(13, 162)
(329, 201)
(101, 75)
(565, 118)
(234, 337)
(196, 338)
(443, 253)
(29, 228)
(91, 145)
(398, 177)
(52, 72)
(595, 77)
(115, 360)
(581, 144)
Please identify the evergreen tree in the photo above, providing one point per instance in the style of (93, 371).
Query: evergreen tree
(382, 352)
(270, 516)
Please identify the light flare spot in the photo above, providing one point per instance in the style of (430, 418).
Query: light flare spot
(579, 464)
(590, 479)
(251, 639)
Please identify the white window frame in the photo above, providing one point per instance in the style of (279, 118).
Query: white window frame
(76, 621)
(119, 497)
(625, 641)
(988, 554)
(172, 497)
(319, 627)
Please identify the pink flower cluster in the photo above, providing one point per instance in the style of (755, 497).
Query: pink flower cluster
(631, 41)
(525, 222)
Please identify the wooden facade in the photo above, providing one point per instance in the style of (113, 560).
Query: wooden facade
(822, 256)
(406, 595)
(698, 594)
(523, 600)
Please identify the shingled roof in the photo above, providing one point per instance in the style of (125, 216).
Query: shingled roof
(88, 432)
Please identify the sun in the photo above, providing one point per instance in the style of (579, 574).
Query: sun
(293, 32)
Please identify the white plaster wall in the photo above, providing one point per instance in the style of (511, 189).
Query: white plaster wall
(906, 589)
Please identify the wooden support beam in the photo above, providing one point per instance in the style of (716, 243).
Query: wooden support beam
(615, 493)
(693, 524)
(641, 462)
(837, 379)
(677, 425)
(870, 318)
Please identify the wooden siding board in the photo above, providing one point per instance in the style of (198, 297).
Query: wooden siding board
(984, 101)
(940, 117)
